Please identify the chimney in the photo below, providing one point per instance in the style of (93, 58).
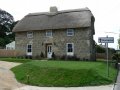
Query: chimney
(53, 9)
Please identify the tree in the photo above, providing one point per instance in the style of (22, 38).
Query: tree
(6, 25)
(100, 49)
(119, 42)
(6, 20)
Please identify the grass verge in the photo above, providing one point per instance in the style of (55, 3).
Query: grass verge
(15, 60)
(64, 73)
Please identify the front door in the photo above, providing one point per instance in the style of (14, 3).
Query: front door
(49, 51)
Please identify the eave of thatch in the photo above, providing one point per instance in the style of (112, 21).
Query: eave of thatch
(76, 18)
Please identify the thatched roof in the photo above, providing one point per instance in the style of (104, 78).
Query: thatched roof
(55, 20)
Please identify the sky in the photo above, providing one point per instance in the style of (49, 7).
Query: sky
(106, 13)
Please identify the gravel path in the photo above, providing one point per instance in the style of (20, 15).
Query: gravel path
(7, 78)
(107, 87)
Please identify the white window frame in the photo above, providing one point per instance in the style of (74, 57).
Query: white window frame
(29, 34)
(29, 53)
(70, 53)
(70, 32)
(49, 33)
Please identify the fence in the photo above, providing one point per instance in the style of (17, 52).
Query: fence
(103, 56)
(9, 53)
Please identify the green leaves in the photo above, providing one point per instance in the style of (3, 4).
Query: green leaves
(6, 19)
(2, 42)
(6, 25)
(119, 42)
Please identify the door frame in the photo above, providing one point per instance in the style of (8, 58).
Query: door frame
(46, 48)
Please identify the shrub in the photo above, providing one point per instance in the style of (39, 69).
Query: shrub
(53, 56)
(67, 57)
(42, 55)
(116, 57)
(37, 57)
(100, 49)
(29, 57)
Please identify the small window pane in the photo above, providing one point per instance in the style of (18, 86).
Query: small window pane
(49, 33)
(70, 32)
(29, 34)
(29, 48)
(70, 48)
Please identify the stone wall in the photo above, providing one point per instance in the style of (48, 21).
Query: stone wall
(82, 39)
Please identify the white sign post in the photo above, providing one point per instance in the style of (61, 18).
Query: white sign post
(106, 40)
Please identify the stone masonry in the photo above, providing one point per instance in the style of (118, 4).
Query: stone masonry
(82, 40)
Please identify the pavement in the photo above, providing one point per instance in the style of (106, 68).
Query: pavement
(117, 84)
(7, 78)
(107, 87)
(8, 81)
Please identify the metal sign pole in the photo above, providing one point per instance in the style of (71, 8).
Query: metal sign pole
(106, 40)
(107, 60)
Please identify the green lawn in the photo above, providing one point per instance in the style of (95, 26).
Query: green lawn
(64, 73)
(15, 60)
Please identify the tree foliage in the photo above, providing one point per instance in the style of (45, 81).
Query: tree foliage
(119, 42)
(100, 49)
(6, 20)
(6, 25)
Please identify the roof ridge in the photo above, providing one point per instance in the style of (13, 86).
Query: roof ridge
(59, 12)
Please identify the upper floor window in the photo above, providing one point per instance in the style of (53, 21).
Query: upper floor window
(29, 34)
(49, 33)
(70, 32)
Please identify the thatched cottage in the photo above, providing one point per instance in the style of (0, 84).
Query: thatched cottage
(66, 33)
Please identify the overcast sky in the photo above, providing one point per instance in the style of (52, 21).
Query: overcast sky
(106, 12)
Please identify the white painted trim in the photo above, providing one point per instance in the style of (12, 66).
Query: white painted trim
(49, 54)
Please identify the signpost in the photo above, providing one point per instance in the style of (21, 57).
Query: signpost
(106, 40)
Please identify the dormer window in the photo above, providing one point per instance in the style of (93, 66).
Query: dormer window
(70, 32)
(29, 34)
(49, 33)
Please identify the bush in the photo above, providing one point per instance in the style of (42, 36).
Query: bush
(37, 57)
(116, 57)
(42, 55)
(100, 49)
(28, 57)
(67, 57)
(53, 56)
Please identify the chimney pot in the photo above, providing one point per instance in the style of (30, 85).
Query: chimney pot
(53, 9)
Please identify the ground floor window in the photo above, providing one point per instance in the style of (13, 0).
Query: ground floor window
(29, 49)
(70, 49)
